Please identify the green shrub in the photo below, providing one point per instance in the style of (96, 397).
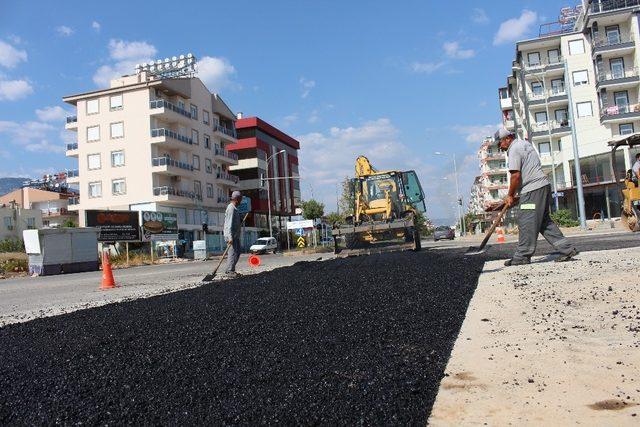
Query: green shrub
(564, 218)
(12, 245)
(13, 265)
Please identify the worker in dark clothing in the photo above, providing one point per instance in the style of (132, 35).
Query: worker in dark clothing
(529, 181)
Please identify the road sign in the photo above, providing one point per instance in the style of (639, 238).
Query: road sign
(300, 232)
(294, 225)
(245, 205)
(301, 242)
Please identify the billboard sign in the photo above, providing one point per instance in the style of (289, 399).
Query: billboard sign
(245, 205)
(115, 226)
(159, 226)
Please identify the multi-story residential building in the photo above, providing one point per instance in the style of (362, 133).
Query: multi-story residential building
(54, 206)
(261, 148)
(14, 220)
(579, 78)
(150, 142)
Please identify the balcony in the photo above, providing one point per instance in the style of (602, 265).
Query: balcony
(495, 171)
(72, 149)
(54, 212)
(227, 178)
(557, 128)
(72, 123)
(225, 156)
(546, 159)
(618, 78)
(556, 95)
(167, 193)
(226, 133)
(171, 111)
(619, 113)
(609, 5)
(73, 176)
(168, 166)
(167, 137)
(73, 201)
(506, 103)
(542, 66)
(509, 124)
(618, 44)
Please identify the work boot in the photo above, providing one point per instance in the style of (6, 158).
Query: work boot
(568, 257)
(522, 261)
(231, 275)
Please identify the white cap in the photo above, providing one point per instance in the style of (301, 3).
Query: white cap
(502, 133)
(236, 195)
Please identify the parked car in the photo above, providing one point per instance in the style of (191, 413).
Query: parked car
(264, 245)
(443, 232)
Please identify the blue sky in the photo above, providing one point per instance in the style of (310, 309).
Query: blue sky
(393, 81)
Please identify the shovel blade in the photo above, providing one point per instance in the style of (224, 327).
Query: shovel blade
(209, 278)
(476, 251)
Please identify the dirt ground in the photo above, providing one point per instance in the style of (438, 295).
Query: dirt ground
(548, 344)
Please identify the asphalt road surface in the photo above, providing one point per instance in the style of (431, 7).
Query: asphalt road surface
(361, 340)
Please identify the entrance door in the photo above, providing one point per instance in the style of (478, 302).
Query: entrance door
(617, 68)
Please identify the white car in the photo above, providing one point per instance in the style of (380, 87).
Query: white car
(264, 245)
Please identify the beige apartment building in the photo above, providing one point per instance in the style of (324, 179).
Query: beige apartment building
(157, 144)
(15, 220)
(54, 206)
(579, 78)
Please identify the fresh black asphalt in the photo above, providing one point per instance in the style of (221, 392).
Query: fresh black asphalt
(361, 340)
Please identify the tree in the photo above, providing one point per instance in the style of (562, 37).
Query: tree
(423, 224)
(334, 218)
(469, 219)
(312, 209)
(347, 201)
(69, 223)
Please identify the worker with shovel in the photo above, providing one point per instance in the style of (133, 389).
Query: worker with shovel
(528, 179)
(232, 228)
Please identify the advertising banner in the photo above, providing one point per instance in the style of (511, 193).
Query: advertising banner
(115, 226)
(159, 226)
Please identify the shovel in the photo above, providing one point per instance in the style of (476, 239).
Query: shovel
(482, 249)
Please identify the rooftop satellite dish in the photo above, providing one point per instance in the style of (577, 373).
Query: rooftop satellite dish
(144, 65)
(189, 55)
(173, 58)
(152, 68)
(159, 61)
(181, 56)
(166, 59)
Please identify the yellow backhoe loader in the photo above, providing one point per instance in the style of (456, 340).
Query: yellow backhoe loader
(386, 206)
(630, 209)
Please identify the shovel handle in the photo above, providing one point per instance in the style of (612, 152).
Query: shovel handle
(493, 227)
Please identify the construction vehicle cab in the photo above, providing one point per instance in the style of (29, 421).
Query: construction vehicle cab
(630, 209)
(386, 207)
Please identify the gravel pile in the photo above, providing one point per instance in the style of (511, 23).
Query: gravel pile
(357, 340)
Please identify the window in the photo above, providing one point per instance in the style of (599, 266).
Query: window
(503, 92)
(584, 109)
(8, 222)
(536, 88)
(194, 111)
(93, 133)
(117, 158)
(196, 162)
(541, 117)
(617, 68)
(544, 148)
(194, 136)
(580, 77)
(181, 104)
(557, 86)
(554, 56)
(95, 189)
(197, 188)
(576, 47)
(117, 130)
(210, 191)
(115, 102)
(118, 186)
(93, 161)
(205, 117)
(621, 99)
(207, 141)
(93, 106)
(533, 58)
(31, 223)
(613, 34)
(207, 166)
(625, 128)
(562, 117)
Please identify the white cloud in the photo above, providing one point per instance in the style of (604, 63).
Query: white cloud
(515, 28)
(44, 146)
(314, 117)
(10, 56)
(96, 26)
(51, 114)
(306, 85)
(64, 31)
(25, 132)
(479, 16)
(125, 56)
(453, 50)
(288, 120)
(475, 133)
(216, 73)
(426, 67)
(326, 158)
(11, 90)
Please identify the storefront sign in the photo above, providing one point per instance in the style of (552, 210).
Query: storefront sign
(159, 226)
(115, 226)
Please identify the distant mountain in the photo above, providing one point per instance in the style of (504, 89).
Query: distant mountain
(7, 185)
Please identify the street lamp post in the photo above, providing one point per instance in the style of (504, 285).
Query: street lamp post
(269, 190)
(458, 200)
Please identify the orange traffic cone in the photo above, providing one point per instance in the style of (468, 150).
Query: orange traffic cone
(501, 238)
(107, 275)
(254, 261)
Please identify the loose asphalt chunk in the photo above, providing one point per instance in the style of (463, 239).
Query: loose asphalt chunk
(356, 341)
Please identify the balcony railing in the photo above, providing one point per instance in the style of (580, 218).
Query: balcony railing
(161, 103)
(171, 191)
(225, 153)
(54, 212)
(72, 119)
(72, 146)
(171, 134)
(555, 124)
(611, 40)
(615, 110)
(226, 131)
(227, 177)
(167, 161)
(607, 5)
(74, 201)
(617, 74)
(556, 91)
(73, 173)
(543, 64)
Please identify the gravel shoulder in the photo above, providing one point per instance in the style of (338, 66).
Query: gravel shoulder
(548, 344)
